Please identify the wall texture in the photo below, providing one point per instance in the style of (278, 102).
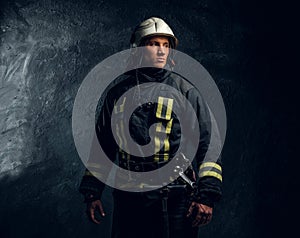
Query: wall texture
(48, 47)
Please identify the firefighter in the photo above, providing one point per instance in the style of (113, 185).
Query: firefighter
(175, 210)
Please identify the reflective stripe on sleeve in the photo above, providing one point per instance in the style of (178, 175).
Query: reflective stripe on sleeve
(211, 173)
(93, 174)
(211, 165)
(210, 169)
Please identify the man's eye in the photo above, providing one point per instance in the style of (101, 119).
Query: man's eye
(151, 44)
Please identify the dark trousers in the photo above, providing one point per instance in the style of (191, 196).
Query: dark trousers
(139, 215)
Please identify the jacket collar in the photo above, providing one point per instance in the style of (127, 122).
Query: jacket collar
(151, 74)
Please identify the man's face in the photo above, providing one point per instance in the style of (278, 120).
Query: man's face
(156, 51)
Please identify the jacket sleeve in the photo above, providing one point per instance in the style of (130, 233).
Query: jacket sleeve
(207, 162)
(96, 171)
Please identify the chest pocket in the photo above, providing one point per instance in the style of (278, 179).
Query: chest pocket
(163, 128)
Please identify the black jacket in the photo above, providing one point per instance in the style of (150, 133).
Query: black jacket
(209, 172)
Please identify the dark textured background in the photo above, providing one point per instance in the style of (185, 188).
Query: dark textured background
(48, 47)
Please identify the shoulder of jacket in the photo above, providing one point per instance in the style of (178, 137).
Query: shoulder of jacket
(182, 83)
(116, 86)
(120, 80)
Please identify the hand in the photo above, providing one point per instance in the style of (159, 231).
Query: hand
(202, 214)
(92, 207)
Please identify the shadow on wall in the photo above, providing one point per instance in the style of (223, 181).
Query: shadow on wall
(44, 202)
(40, 169)
(41, 67)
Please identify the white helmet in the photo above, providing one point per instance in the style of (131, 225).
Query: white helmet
(153, 26)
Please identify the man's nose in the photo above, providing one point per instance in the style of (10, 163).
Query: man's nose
(161, 50)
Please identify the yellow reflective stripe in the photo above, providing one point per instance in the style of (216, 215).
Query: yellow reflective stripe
(211, 173)
(166, 144)
(115, 107)
(211, 164)
(166, 148)
(93, 165)
(93, 173)
(169, 126)
(169, 108)
(159, 107)
(123, 134)
(88, 173)
(122, 153)
(166, 156)
(159, 127)
(121, 106)
(167, 130)
(124, 139)
(118, 135)
(168, 102)
(157, 148)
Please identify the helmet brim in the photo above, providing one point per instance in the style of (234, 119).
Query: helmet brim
(173, 39)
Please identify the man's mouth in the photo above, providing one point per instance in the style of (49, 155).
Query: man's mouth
(161, 60)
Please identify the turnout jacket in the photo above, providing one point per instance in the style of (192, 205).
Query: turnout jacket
(208, 170)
